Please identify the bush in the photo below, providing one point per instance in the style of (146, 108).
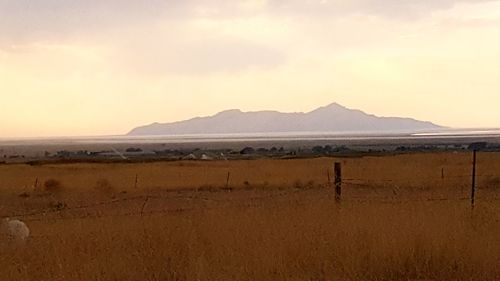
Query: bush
(492, 182)
(247, 150)
(247, 185)
(24, 195)
(298, 184)
(318, 150)
(52, 185)
(58, 206)
(208, 188)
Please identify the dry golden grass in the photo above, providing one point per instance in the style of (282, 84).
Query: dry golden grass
(410, 169)
(279, 226)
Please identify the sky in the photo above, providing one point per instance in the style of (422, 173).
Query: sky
(103, 67)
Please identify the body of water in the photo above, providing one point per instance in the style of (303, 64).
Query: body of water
(324, 136)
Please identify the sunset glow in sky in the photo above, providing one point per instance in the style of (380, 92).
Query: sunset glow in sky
(102, 67)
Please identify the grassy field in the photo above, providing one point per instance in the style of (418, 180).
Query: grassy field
(402, 217)
(447, 169)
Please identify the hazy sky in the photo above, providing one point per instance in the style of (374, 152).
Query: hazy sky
(74, 67)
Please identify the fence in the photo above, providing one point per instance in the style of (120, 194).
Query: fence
(352, 182)
(28, 216)
(340, 184)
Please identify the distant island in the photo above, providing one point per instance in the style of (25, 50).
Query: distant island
(333, 118)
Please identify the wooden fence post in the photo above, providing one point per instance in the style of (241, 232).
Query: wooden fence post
(227, 179)
(473, 189)
(136, 181)
(329, 182)
(338, 180)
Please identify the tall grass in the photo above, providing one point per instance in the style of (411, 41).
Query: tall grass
(290, 238)
(247, 231)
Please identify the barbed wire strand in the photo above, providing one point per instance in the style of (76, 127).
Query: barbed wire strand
(353, 182)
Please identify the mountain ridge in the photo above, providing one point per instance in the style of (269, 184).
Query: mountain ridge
(233, 121)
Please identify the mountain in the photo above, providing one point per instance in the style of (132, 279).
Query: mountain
(333, 118)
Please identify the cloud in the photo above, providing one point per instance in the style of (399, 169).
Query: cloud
(28, 20)
(223, 55)
(393, 9)
(150, 36)
(23, 21)
(156, 37)
(196, 57)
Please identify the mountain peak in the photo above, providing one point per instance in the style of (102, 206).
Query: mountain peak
(331, 107)
(333, 118)
(229, 112)
(334, 105)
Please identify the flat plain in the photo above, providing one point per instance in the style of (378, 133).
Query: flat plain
(400, 217)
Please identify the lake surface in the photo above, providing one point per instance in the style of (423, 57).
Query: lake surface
(221, 138)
